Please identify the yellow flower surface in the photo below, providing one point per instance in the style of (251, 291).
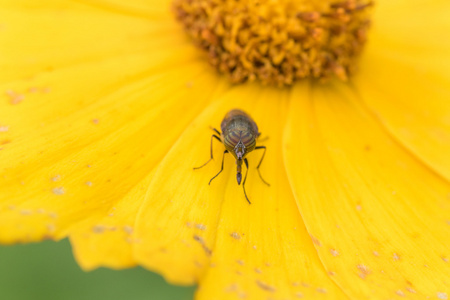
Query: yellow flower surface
(105, 109)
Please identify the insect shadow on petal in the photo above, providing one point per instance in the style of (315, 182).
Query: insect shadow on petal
(239, 135)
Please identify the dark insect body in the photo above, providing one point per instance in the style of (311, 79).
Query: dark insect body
(239, 134)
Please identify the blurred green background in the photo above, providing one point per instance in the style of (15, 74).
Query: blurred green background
(48, 271)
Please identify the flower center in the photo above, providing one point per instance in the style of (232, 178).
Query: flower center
(278, 41)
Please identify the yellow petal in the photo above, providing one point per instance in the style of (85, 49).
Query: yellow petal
(404, 79)
(99, 242)
(45, 172)
(191, 231)
(107, 239)
(64, 166)
(47, 35)
(380, 217)
(148, 9)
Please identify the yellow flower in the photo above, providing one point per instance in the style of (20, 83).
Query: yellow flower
(106, 109)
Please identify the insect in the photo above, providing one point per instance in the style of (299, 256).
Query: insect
(239, 134)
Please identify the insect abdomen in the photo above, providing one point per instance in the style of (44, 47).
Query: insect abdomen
(239, 129)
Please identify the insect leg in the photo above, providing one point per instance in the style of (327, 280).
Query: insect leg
(221, 169)
(245, 178)
(257, 168)
(217, 138)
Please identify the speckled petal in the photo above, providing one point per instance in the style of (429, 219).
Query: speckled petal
(191, 231)
(379, 217)
(93, 249)
(404, 78)
(65, 170)
(73, 162)
(107, 239)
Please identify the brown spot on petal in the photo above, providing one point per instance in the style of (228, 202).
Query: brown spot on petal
(128, 229)
(363, 271)
(98, 229)
(51, 227)
(14, 97)
(46, 90)
(316, 241)
(334, 252)
(265, 286)
(235, 235)
(231, 288)
(200, 226)
(58, 191)
(197, 264)
(203, 244)
(25, 212)
(56, 178)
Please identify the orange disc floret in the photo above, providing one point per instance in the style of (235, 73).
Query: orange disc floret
(278, 41)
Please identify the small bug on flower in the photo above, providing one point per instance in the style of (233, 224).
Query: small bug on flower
(239, 134)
